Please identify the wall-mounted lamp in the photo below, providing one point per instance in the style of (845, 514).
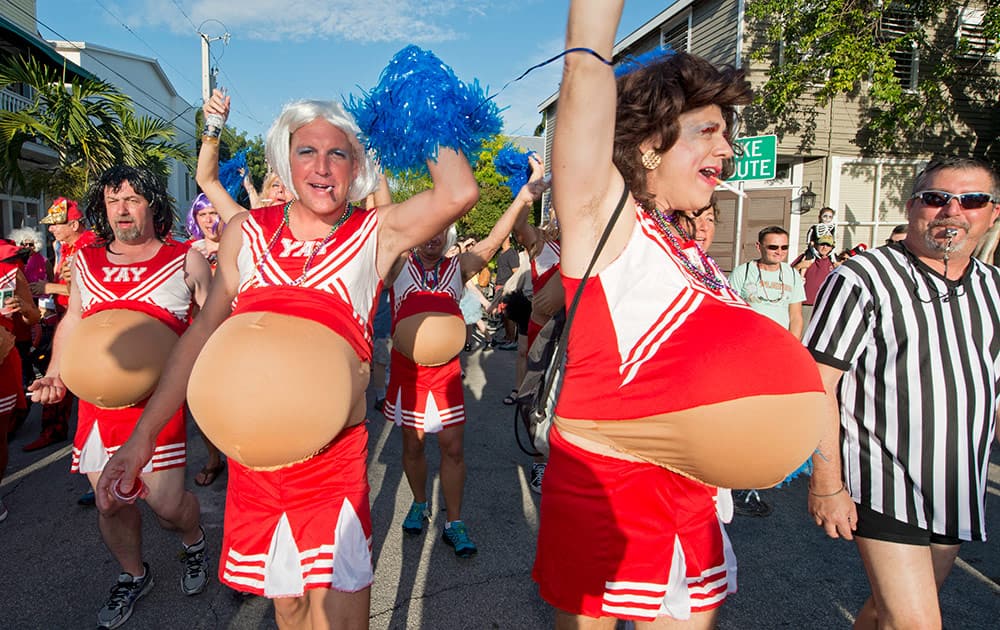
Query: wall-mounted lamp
(807, 199)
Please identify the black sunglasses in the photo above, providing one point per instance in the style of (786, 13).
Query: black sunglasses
(940, 199)
(775, 248)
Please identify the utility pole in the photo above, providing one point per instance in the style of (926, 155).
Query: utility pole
(208, 73)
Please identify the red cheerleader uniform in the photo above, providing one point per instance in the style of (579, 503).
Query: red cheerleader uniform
(11, 388)
(425, 398)
(629, 539)
(157, 288)
(307, 525)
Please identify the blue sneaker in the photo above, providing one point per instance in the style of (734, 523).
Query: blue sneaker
(415, 518)
(124, 594)
(457, 537)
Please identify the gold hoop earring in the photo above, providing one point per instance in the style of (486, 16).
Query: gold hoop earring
(650, 160)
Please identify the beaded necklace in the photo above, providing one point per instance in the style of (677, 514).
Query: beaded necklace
(706, 275)
(781, 281)
(305, 268)
(428, 278)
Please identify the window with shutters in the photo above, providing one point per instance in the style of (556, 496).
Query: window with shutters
(677, 33)
(970, 38)
(896, 25)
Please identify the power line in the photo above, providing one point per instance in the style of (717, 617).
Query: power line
(156, 54)
(188, 18)
(230, 83)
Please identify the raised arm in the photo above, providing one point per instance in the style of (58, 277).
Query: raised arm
(586, 183)
(529, 235)
(207, 174)
(416, 220)
(382, 195)
(255, 201)
(482, 252)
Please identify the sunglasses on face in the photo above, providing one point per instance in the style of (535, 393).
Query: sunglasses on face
(775, 248)
(940, 199)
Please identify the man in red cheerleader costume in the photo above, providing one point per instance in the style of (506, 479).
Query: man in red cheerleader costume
(138, 268)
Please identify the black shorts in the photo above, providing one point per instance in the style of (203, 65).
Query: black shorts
(872, 524)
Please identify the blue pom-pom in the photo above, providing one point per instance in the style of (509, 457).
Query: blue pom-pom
(631, 64)
(418, 105)
(805, 469)
(229, 173)
(513, 164)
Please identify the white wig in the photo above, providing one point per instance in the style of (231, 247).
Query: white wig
(451, 238)
(300, 113)
(20, 235)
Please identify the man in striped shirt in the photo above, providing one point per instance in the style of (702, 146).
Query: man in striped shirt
(907, 338)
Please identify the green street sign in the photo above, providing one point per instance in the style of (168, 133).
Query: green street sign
(759, 160)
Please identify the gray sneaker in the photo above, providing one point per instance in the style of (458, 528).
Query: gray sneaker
(195, 575)
(124, 594)
(537, 473)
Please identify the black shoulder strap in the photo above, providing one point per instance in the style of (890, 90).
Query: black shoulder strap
(559, 355)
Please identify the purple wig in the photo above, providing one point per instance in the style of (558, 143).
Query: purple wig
(200, 203)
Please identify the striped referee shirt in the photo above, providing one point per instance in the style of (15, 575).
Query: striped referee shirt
(918, 399)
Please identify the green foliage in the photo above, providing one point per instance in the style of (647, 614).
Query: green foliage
(87, 122)
(850, 48)
(493, 200)
(494, 196)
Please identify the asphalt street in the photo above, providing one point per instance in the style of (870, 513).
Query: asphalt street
(55, 572)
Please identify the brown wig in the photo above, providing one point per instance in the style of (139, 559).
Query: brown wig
(651, 98)
(144, 183)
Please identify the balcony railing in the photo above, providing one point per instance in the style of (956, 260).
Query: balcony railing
(11, 102)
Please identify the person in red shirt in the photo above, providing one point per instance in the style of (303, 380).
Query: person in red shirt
(66, 224)
(16, 305)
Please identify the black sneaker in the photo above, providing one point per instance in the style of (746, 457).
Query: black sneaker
(537, 473)
(748, 503)
(124, 594)
(195, 575)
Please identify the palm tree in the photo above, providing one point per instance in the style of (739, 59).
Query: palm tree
(90, 125)
(147, 141)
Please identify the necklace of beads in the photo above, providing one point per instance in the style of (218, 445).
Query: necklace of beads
(305, 267)
(763, 291)
(706, 275)
(428, 278)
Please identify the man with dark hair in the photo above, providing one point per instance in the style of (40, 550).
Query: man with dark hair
(769, 284)
(139, 267)
(898, 234)
(907, 337)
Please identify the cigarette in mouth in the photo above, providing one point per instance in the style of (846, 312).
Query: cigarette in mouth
(729, 187)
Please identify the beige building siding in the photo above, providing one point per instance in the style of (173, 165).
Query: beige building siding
(870, 197)
(814, 175)
(714, 26)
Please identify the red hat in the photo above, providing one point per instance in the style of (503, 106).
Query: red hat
(8, 249)
(62, 210)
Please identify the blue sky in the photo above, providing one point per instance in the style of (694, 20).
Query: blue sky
(282, 50)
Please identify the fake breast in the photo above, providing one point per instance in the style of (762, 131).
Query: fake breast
(114, 357)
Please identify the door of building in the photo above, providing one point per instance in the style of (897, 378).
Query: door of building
(761, 208)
